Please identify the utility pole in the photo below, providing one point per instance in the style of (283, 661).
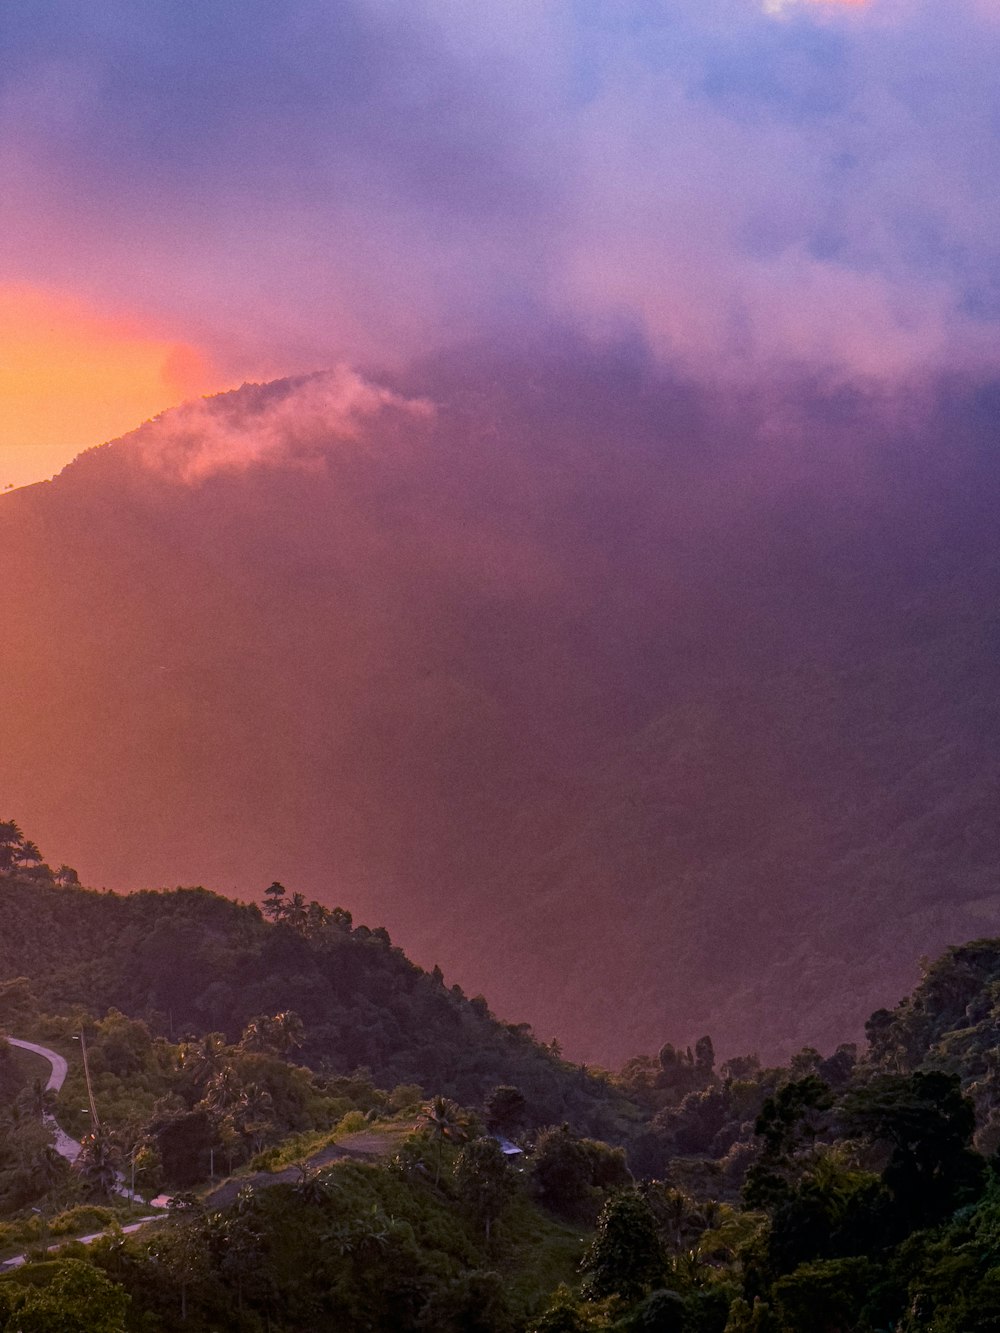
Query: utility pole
(95, 1124)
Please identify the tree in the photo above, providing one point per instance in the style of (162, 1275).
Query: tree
(296, 912)
(704, 1057)
(314, 1188)
(662, 1311)
(235, 1240)
(505, 1109)
(223, 1091)
(30, 855)
(98, 1161)
(259, 1035)
(788, 1126)
(446, 1124)
(928, 1125)
(624, 1259)
(317, 917)
(571, 1173)
(49, 1169)
(204, 1058)
(474, 1302)
(181, 1253)
(183, 1141)
(274, 907)
(11, 843)
(40, 1099)
(678, 1218)
(288, 1031)
(562, 1315)
(826, 1296)
(78, 1299)
(253, 1114)
(485, 1180)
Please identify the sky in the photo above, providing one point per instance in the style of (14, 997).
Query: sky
(198, 195)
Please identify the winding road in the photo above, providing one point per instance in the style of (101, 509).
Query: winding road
(363, 1146)
(66, 1147)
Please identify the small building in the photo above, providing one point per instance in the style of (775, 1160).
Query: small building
(507, 1148)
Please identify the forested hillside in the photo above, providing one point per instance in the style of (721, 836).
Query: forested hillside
(190, 963)
(643, 710)
(854, 1191)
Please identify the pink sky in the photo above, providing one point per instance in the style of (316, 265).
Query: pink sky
(261, 189)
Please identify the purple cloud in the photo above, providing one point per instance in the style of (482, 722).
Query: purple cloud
(288, 183)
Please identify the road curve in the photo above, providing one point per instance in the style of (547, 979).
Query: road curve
(64, 1145)
(59, 1067)
(70, 1149)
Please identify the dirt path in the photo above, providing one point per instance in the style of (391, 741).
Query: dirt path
(363, 1147)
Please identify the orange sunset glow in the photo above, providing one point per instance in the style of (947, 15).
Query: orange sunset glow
(72, 377)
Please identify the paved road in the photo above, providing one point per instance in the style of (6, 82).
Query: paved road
(68, 1148)
(362, 1145)
(64, 1145)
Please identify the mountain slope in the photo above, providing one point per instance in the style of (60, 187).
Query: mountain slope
(647, 710)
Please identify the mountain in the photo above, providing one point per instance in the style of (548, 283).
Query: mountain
(646, 706)
(188, 962)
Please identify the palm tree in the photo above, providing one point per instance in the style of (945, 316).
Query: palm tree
(296, 911)
(258, 1035)
(98, 1161)
(444, 1122)
(40, 1099)
(288, 1031)
(204, 1057)
(223, 1090)
(11, 844)
(48, 1168)
(30, 854)
(254, 1114)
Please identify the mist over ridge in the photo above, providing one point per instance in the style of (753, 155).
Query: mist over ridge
(644, 705)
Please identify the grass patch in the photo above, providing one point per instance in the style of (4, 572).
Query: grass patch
(83, 1219)
(297, 1149)
(24, 1233)
(22, 1069)
(293, 1151)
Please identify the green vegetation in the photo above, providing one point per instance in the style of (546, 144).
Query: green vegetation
(852, 1193)
(190, 963)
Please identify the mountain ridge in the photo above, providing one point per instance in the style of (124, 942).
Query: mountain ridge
(583, 672)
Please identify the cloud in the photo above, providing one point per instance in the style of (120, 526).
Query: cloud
(780, 6)
(290, 184)
(294, 422)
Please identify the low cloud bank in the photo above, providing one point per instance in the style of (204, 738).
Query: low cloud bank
(288, 185)
(286, 424)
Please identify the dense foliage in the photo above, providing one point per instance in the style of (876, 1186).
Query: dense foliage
(373, 1184)
(191, 962)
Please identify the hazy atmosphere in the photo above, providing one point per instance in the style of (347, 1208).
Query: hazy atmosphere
(498, 531)
(196, 198)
